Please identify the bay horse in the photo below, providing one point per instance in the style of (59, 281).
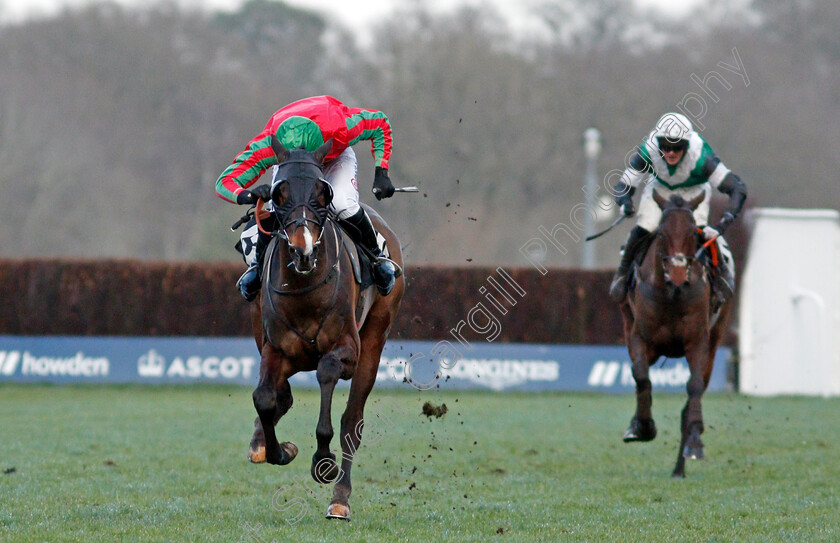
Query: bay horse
(669, 312)
(312, 315)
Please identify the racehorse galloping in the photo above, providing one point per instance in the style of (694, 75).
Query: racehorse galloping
(306, 319)
(670, 313)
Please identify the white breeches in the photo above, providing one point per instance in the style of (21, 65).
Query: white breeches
(340, 173)
(649, 213)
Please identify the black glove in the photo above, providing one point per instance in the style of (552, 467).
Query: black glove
(625, 199)
(724, 222)
(249, 197)
(263, 192)
(245, 198)
(382, 186)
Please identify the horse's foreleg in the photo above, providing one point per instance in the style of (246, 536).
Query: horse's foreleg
(700, 363)
(270, 407)
(272, 399)
(373, 339)
(679, 468)
(283, 402)
(330, 368)
(642, 427)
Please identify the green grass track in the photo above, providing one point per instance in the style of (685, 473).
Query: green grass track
(168, 464)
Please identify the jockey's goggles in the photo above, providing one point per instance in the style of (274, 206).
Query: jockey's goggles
(667, 146)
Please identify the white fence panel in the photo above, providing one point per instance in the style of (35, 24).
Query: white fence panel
(789, 309)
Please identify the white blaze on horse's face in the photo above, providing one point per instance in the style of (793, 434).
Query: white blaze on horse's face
(307, 237)
(679, 260)
(677, 269)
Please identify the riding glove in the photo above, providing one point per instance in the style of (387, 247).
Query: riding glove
(724, 222)
(382, 186)
(710, 232)
(624, 198)
(262, 192)
(245, 198)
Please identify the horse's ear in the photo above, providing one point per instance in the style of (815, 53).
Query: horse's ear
(281, 152)
(659, 199)
(696, 201)
(322, 151)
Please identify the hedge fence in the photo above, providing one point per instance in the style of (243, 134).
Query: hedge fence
(143, 298)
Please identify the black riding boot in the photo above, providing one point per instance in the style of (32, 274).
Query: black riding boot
(618, 288)
(250, 282)
(362, 231)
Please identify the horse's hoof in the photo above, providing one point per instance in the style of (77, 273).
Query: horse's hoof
(324, 470)
(288, 452)
(640, 431)
(339, 511)
(694, 452)
(257, 455)
(678, 475)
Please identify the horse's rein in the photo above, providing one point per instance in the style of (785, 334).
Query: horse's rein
(258, 212)
(706, 246)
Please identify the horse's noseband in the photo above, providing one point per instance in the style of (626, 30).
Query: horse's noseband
(302, 221)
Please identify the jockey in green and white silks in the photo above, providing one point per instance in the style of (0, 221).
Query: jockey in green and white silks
(674, 159)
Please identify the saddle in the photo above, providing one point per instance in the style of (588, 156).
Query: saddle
(362, 260)
(362, 263)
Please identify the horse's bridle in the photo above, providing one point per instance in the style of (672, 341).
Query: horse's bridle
(282, 213)
(678, 260)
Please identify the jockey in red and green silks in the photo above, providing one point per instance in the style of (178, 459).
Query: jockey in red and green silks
(308, 124)
(674, 159)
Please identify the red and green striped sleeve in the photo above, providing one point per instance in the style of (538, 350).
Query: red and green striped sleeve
(367, 124)
(247, 167)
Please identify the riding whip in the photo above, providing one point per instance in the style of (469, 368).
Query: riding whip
(610, 227)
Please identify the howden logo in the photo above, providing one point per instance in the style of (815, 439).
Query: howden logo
(9, 362)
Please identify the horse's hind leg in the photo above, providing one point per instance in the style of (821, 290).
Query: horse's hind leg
(330, 369)
(642, 427)
(256, 450)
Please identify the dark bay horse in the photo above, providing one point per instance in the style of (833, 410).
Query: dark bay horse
(312, 315)
(670, 313)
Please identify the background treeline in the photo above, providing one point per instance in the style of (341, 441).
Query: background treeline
(115, 122)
